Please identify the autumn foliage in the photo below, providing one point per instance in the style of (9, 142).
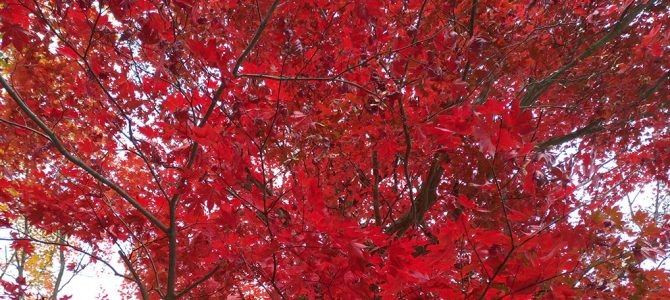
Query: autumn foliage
(344, 149)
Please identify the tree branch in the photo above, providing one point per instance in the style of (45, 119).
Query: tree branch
(597, 124)
(25, 127)
(650, 91)
(172, 232)
(424, 200)
(201, 280)
(143, 290)
(256, 37)
(594, 126)
(61, 268)
(375, 189)
(73, 247)
(537, 88)
(77, 161)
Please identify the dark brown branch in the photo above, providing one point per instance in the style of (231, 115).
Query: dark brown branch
(565, 215)
(61, 268)
(337, 77)
(61, 148)
(238, 63)
(201, 280)
(25, 127)
(403, 115)
(473, 16)
(143, 290)
(256, 37)
(73, 247)
(296, 78)
(547, 227)
(142, 245)
(584, 270)
(537, 88)
(424, 200)
(259, 184)
(597, 124)
(375, 188)
(593, 127)
(89, 70)
(172, 232)
(650, 91)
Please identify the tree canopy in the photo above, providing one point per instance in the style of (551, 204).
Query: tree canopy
(414, 149)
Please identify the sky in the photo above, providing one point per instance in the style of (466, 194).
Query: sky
(93, 282)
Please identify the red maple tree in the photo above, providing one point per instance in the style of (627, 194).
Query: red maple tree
(286, 149)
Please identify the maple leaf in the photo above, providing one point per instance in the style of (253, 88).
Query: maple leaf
(15, 35)
(67, 51)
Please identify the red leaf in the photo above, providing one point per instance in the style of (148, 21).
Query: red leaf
(467, 203)
(68, 52)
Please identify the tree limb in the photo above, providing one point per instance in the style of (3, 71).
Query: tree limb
(537, 88)
(61, 148)
(597, 124)
(201, 280)
(172, 230)
(424, 200)
(33, 130)
(256, 37)
(143, 290)
(375, 189)
(594, 126)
